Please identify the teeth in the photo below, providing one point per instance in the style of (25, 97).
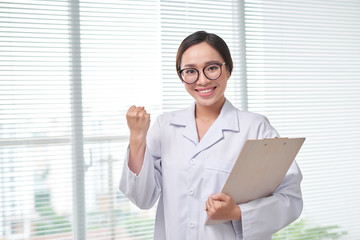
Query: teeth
(206, 91)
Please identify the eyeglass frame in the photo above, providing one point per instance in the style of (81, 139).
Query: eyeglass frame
(198, 73)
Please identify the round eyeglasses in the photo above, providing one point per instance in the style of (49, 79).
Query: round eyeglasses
(211, 71)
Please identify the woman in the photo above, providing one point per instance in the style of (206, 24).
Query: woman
(185, 158)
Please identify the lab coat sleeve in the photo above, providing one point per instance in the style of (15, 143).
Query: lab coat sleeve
(144, 189)
(263, 217)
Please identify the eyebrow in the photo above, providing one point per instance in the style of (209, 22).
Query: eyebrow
(206, 63)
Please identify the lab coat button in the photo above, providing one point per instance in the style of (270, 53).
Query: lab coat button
(191, 192)
(192, 161)
(192, 225)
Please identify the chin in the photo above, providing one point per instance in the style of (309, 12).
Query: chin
(206, 102)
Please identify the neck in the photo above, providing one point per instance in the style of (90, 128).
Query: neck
(209, 112)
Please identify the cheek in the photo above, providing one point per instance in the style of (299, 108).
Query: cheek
(223, 82)
(188, 86)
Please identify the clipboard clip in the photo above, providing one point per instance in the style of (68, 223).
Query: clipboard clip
(276, 138)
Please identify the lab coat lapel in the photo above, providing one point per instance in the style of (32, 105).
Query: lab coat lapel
(226, 121)
(186, 119)
(212, 136)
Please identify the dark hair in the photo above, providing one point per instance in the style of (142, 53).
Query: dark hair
(212, 39)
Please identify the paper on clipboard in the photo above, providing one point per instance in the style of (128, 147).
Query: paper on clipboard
(260, 168)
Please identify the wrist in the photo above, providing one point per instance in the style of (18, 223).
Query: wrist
(236, 213)
(137, 137)
(137, 144)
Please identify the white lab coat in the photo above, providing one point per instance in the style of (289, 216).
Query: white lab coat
(185, 172)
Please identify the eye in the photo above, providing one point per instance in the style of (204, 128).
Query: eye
(190, 71)
(212, 68)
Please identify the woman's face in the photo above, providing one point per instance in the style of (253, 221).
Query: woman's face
(205, 92)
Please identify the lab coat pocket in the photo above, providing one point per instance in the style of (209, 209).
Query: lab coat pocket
(215, 175)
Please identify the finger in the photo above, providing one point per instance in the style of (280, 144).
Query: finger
(132, 108)
(136, 111)
(211, 203)
(211, 208)
(139, 109)
(142, 114)
(220, 197)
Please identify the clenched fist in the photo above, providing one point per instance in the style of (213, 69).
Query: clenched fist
(221, 206)
(138, 121)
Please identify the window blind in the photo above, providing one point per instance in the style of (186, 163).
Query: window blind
(69, 70)
(35, 155)
(120, 57)
(303, 62)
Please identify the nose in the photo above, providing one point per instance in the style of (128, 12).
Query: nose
(203, 80)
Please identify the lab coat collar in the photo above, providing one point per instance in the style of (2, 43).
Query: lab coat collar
(226, 121)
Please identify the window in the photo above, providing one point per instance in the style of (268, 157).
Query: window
(69, 70)
(303, 66)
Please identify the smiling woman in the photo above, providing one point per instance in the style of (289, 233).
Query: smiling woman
(153, 165)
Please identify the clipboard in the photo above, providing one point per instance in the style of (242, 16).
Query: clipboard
(259, 169)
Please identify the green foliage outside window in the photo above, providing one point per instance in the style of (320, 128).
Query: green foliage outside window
(124, 218)
(49, 222)
(300, 230)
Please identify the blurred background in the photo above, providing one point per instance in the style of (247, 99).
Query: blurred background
(69, 70)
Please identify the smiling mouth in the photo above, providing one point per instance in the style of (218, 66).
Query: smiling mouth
(206, 90)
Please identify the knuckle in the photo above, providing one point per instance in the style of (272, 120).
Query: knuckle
(140, 115)
(132, 108)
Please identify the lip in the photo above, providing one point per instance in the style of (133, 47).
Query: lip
(208, 91)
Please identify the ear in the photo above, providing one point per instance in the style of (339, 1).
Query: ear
(228, 74)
